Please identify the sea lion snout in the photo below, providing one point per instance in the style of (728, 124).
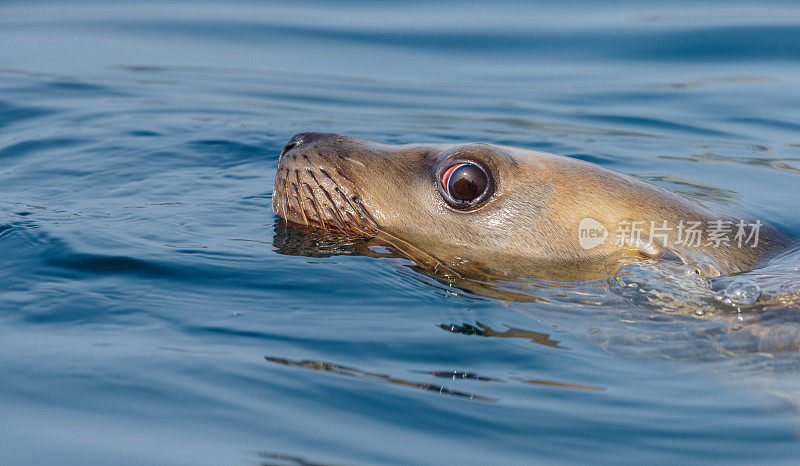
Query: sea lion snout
(300, 139)
(311, 188)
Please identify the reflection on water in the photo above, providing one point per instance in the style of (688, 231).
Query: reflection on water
(454, 375)
(280, 459)
(549, 383)
(484, 331)
(461, 375)
(783, 164)
(291, 240)
(721, 79)
(356, 373)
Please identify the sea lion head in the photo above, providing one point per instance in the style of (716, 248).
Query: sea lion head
(474, 205)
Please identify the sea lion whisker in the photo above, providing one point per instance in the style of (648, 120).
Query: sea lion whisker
(417, 255)
(335, 211)
(286, 206)
(339, 172)
(337, 167)
(299, 197)
(277, 198)
(332, 206)
(313, 177)
(336, 186)
(357, 225)
(338, 189)
(300, 203)
(361, 220)
(286, 196)
(366, 212)
(339, 221)
(314, 203)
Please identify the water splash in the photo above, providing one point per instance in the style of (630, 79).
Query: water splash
(739, 293)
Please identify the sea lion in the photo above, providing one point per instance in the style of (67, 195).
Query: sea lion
(489, 210)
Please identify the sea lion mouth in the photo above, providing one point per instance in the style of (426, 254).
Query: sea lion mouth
(310, 189)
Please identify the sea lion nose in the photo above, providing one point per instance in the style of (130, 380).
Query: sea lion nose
(300, 139)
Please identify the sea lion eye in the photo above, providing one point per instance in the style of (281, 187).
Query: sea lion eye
(465, 184)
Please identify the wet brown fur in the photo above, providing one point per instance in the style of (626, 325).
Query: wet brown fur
(529, 227)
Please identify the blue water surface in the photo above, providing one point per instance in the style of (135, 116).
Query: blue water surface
(153, 310)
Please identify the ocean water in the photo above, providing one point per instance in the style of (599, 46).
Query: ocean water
(153, 309)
